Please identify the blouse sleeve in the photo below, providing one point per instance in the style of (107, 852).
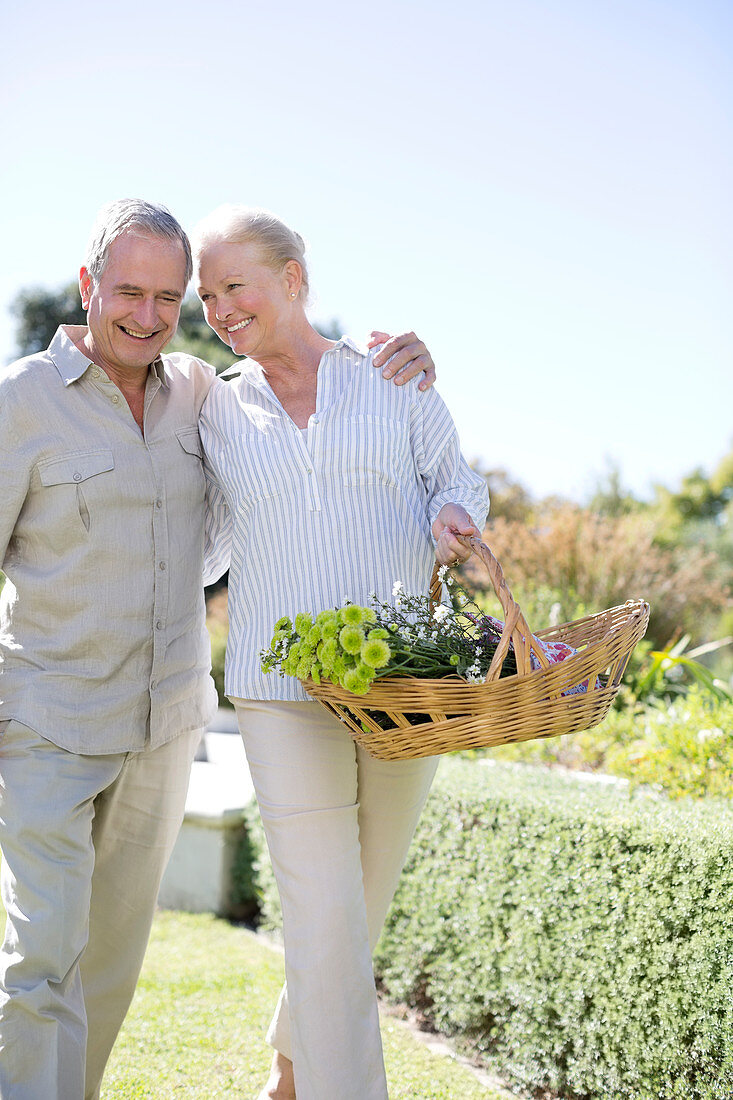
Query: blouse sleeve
(447, 476)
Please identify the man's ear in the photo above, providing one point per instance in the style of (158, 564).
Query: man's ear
(85, 287)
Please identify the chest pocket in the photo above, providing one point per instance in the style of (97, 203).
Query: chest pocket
(372, 449)
(72, 473)
(190, 441)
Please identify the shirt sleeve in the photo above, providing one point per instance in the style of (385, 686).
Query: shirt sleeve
(447, 476)
(15, 482)
(217, 530)
(218, 524)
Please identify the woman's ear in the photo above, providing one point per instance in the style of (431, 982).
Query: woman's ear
(293, 278)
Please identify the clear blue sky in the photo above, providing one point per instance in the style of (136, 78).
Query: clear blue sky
(540, 189)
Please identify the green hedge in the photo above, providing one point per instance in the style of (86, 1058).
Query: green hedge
(581, 938)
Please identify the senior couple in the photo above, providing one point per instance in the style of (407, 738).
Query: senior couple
(318, 477)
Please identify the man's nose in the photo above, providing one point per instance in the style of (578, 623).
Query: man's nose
(146, 314)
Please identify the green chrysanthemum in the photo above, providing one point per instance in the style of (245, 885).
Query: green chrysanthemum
(354, 683)
(378, 634)
(326, 617)
(303, 622)
(313, 636)
(283, 624)
(330, 628)
(375, 652)
(352, 615)
(304, 668)
(327, 652)
(352, 639)
(338, 666)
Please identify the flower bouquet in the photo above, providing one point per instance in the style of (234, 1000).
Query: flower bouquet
(353, 645)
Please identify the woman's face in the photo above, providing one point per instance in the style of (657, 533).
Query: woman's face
(246, 303)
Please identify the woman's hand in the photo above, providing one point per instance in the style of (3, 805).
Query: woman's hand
(453, 520)
(403, 357)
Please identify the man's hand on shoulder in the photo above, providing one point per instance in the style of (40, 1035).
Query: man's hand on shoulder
(402, 357)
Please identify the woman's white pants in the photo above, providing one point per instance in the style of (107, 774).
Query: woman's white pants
(338, 825)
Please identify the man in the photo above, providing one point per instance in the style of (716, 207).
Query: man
(104, 655)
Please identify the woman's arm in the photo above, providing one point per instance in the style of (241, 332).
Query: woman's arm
(458, 497)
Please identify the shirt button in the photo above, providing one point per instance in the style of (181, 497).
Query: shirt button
(115, 398)
(159, 625)
(314, 419)
(308, 471)
(159, 503)
(96, 372)
(77, 477)
(153, 685)
(162, 565)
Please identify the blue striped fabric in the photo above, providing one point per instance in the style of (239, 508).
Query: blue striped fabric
(311, 518)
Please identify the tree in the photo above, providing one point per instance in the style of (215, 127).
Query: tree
(40, 312)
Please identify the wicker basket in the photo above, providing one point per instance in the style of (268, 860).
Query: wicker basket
(428, 717)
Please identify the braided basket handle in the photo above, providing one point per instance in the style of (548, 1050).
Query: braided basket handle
(516, 628)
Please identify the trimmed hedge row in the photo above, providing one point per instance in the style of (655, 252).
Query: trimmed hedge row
(579, 937)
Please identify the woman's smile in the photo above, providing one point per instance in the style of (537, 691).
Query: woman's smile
(239, 325)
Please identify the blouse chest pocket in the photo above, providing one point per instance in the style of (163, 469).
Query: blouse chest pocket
(260, 465)
(70, 477)
(372, 449)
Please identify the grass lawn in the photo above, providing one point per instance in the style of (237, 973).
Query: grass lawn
(197, 1023)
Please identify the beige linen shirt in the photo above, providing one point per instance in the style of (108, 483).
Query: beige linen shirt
(103, 644)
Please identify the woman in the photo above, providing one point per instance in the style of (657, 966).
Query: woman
(324, 483)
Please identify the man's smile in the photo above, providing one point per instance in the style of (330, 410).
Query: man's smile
(137, 335)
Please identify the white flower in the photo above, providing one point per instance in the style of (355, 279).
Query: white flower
(397, 589)
(707, 735)
(442, 612)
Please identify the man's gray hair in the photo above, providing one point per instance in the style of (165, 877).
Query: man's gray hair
(117, 217)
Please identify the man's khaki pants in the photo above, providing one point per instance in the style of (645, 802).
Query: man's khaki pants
(85, 841)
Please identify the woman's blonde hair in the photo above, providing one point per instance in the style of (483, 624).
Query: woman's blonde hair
(237, 224)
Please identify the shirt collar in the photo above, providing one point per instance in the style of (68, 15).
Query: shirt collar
(72, 364)
(348, 342)
(252, 372)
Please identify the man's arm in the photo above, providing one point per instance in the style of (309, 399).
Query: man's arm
(402, 357)
(15, 482)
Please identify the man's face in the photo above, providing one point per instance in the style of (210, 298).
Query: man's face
(132, 311)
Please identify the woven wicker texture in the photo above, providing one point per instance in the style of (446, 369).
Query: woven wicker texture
(429, 717)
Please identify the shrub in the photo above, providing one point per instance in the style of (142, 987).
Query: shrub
(579, 937)
(681, 748)
(584, 563)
